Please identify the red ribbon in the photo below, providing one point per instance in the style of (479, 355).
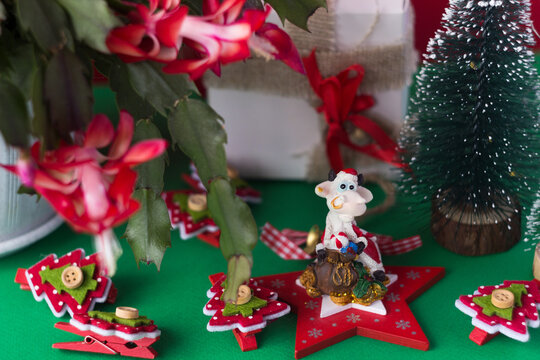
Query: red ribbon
(340, 103)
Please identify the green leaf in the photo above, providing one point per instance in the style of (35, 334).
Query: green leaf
(150, 172)
(238, 272)
(149, 231)
(160, 90)
(22, 68)
(28, 191)
(489, 309)
(245, 309)
(46, 21)
(195, 128)
(2, 12)
(41, 126)
(92, 20)
(233, 217)
(15, 122)
(54, 277)
(238, 232)
(112, 318)
(68, 93)
(126, 97)
(296, 11)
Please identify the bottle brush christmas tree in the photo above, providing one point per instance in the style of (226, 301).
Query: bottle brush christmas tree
(471, 136)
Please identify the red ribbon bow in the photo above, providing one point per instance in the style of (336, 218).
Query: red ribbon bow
(340, 103)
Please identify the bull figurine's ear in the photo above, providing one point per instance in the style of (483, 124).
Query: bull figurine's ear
(331, 175)
(323, 189)
(360, 179)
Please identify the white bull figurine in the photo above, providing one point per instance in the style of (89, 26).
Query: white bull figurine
(346, 199)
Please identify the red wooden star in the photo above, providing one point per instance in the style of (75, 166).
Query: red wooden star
(399, 326)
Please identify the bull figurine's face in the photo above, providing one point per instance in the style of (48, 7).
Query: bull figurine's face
(343, 193)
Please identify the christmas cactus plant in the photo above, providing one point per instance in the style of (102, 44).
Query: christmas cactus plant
(154, 54)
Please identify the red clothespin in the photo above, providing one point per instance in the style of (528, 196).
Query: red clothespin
(111, 344)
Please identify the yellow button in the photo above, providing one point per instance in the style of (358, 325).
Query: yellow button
(125, 312)
(503, 299)
(244, 295)
(197, 202)
(232, 172)
(72, 277)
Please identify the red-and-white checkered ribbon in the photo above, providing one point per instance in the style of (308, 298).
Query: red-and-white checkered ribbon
(287, 243)
(282, 245)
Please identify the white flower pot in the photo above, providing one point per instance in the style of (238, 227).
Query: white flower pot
(23, 219)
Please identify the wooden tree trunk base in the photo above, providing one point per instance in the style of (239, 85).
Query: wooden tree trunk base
(456, 229)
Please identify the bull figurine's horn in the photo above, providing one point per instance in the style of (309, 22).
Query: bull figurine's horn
(331, 175)
(360, 179)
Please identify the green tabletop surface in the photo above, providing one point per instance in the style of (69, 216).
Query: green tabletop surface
(174, 297)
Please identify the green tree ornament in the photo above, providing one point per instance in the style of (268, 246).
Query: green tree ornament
(471, 136)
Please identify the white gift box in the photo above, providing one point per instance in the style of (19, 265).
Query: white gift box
(272, 134)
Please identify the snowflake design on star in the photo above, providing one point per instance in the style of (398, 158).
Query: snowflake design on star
(312, 304)
(402, 324)
(314, 333)
(413, 275)
(353, 318)
(393, 297)
(276, 284)
(60, 301)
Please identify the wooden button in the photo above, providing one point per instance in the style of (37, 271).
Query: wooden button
(197, 202)
(244, 295)
(232, 172)
(72, 277)
(503, 299)
(125, 312)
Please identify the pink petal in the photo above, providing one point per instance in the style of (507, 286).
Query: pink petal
(42, 180)
(231, 10)
(109, 250)
(168, 29)
(100, 132)
(144, 151)
(166, 54)
(122, 187)
(94, 188)
(194, 28)
(132, 207)
(282, 42)
(125, 40)
(195, 68)
(256, 18)
(124, 134)
(210, 7)
(233, 51)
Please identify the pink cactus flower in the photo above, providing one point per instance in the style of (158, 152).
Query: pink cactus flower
(153, 32)
(92, 191)
(224, 34)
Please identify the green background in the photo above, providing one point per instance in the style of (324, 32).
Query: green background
(175, 296)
